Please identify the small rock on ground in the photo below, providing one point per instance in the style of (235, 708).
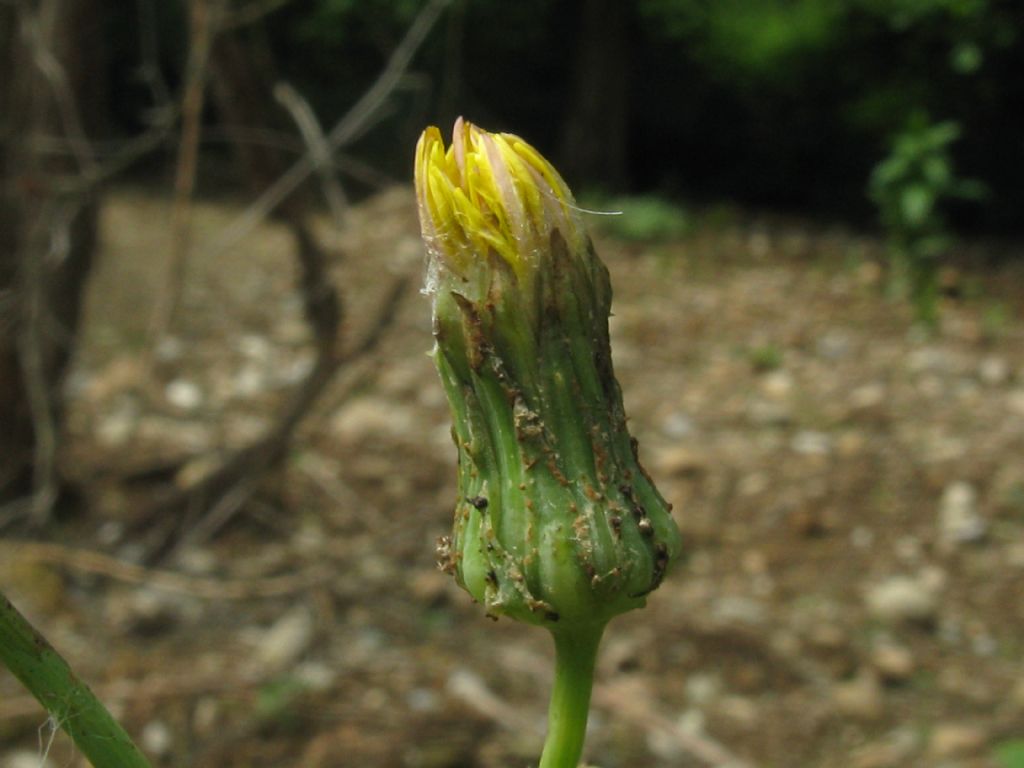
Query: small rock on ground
(959, 521)
(902, 599)
(289, 638)
(955, 740)
(861, 698)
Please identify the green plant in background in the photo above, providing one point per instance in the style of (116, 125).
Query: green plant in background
(909, 188)
(996, 318)
(1010, 754)
(765, 358)
(556, 523)
(69, 702)
(644, 219)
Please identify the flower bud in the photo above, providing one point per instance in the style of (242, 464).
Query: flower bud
(556, 523)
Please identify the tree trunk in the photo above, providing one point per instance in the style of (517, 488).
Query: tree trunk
(594, 142)
(52, 102)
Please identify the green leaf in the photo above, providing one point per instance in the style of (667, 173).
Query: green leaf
(916, 204)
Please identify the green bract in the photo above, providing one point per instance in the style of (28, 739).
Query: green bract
(556, 522)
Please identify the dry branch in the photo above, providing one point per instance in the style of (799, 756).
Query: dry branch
(319, 149)
(47, 232)
(204, 19)
(346, 130)
(198, 512)
(192, 515)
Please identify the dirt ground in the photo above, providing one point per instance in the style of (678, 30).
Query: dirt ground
(850, 491)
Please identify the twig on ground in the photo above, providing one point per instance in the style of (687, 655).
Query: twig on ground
(640, 711)
(211, 503)
(471, 690)
(147, 690)
(206, 588)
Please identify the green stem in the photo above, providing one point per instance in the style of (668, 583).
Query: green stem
(68, 700)
(575, 654)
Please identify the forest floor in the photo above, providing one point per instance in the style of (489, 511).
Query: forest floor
(850, 490)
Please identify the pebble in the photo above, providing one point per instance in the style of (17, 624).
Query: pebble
(955, 740)
(1013, 554)
(198, 561)
(169, 349)
(869, 273)
(664, 745)
(908, 548)
(1015, 401)
(892, 752)
(777, 384)
(250, 380)
(1017, 696)
(157, 738)
(285, 641)
(681, 461)
(833, 345)
(430, 587)
(851, 444)
(928, 359)
(753, 484)
(174, 434)
(115, 427)
(740, 710)
(931, 386)
(295, 370)
(763, 413)
(206, 715)
(902, 599)
(26, 759)
(184, 394)
(862, 537)
(422, 700)
(738, 609)
(371, 417)
(703, 688)
(255, 347)
(984, 644)
(959, 521)
(867, 396)
(678, 424)
(120, 377)
(828, 636)
(811, 443)
(860, 698)
(994, 371)
(315, 675)
(692, 721)
(894, 663)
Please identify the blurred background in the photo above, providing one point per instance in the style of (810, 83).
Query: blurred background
(225, 460)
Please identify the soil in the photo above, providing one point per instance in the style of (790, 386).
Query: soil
(850, 488)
